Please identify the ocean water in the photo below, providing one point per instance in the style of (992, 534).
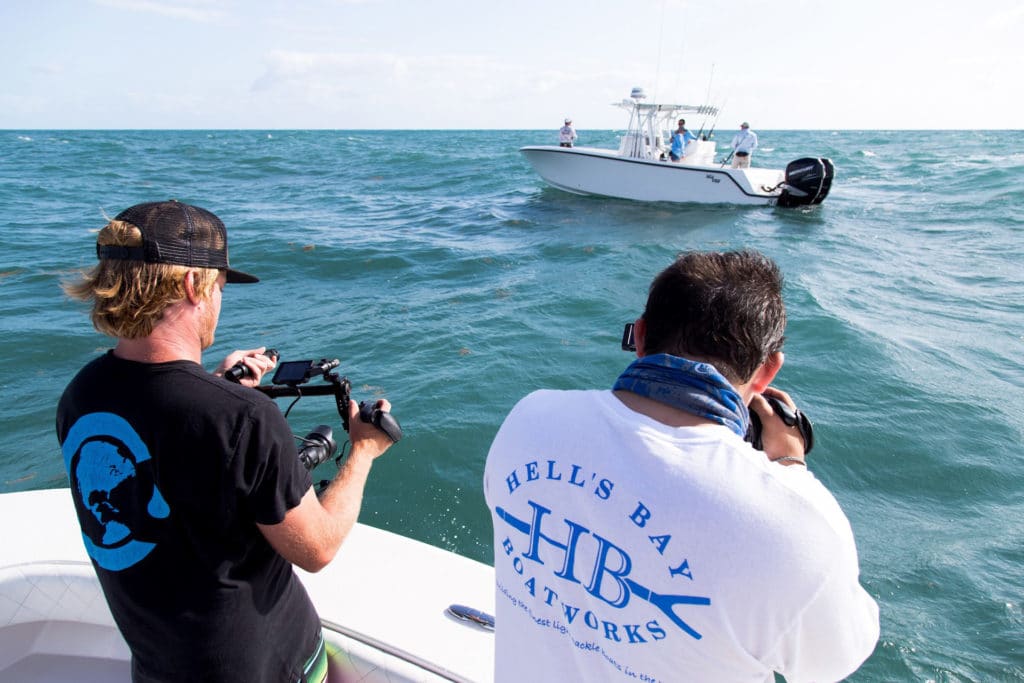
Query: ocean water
(445, 276)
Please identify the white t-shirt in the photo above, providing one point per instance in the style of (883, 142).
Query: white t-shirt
(629, 550)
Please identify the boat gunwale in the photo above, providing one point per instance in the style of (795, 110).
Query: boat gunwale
(394, 651)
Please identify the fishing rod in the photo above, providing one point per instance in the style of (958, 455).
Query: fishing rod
(705, 111)
(711, 133)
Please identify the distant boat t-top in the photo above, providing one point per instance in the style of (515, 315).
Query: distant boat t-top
(642, 168)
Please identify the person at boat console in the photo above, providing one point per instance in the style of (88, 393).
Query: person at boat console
(638, 535)
(567, 134)
(743, 145)
(191, 498)
(680, 139)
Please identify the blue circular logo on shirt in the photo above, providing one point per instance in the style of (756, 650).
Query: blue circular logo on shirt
(112, 484)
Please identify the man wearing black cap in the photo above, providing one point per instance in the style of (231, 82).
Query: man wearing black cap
(189, 491)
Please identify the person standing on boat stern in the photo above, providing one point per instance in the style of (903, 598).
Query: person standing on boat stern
(639, 536)
(680, 139)
(566, 134)
(189, 491)
(743, 145)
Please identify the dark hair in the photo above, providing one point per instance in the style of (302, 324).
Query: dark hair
(724, 308)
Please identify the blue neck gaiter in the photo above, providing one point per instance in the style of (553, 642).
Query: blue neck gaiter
(696, 388)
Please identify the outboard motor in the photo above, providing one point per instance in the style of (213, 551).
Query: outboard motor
(807, 181)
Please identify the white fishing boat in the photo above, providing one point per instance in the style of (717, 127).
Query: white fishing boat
(641, 169)
(384, 602)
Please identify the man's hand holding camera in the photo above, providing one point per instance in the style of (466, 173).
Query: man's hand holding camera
(785, 434)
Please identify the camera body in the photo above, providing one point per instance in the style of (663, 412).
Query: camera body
(628, 338)
(789, 416)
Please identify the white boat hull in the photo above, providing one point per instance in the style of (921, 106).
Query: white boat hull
(386, 594)
(594, 171)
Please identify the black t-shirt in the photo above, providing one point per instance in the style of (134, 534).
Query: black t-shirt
(171, 468)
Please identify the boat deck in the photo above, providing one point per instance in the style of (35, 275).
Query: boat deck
(387, 594)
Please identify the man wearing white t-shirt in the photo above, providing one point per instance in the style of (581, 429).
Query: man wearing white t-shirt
(567, 134)
(638, 536)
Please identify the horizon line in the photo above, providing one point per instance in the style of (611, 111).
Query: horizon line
(546, 129)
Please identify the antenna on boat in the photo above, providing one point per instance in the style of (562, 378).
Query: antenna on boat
(710, 79)
(707, 103)
(661, 41)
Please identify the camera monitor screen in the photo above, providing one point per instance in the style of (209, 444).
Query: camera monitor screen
(292, 372)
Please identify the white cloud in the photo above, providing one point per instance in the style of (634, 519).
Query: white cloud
(441, 90)
(48, 69)
(1006, 18)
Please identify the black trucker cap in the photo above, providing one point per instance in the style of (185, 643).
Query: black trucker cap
(178, 234)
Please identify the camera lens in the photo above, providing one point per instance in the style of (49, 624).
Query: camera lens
(317, 447)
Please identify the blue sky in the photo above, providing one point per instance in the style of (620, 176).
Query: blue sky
(415, 64)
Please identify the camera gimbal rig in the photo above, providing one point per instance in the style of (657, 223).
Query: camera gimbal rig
(291, 380)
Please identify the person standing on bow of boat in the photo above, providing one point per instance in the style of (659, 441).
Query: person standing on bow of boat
(680, 139)
(743, 145)
(639, 536)
(191, 498)
(566, 134)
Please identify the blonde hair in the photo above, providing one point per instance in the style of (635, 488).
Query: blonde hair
(129, 297)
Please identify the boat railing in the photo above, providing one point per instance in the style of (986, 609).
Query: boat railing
(636, 145)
